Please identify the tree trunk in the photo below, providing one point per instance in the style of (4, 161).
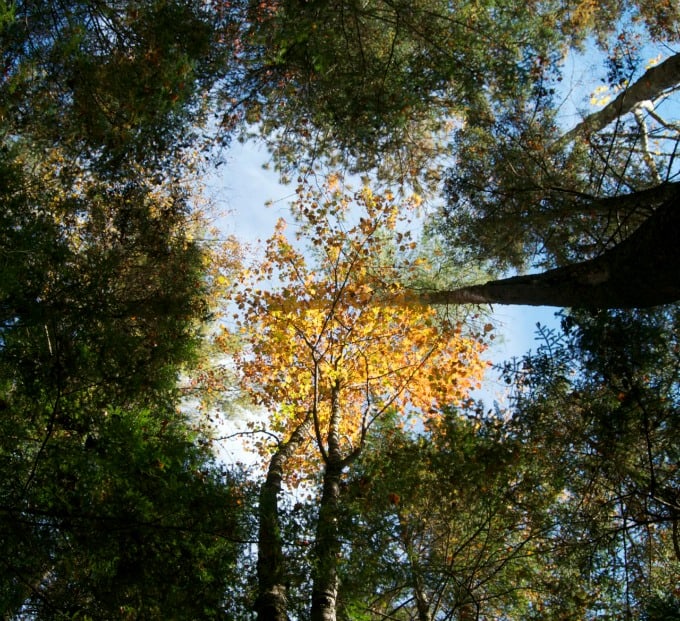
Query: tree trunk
(643, 201)
(641, 271)
(271, 603)
(419, 593)
(327, 545)
(650, 86)
(327, 549)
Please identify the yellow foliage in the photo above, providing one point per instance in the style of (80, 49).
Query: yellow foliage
(583, 13)
(337, 336)
(600, 96)
(652, 62)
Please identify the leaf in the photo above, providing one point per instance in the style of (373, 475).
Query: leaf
(340, 336)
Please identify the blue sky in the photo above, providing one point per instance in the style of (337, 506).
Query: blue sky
(242, 189)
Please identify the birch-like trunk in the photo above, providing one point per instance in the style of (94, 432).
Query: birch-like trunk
(650, 86)
(272, 603)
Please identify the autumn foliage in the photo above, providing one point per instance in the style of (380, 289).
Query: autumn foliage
(333, 332)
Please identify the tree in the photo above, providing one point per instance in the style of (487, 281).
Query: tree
(104, 289)
(447, 524)
(115, 82)
(379, 84)
(638, 272)
(103, 299)
(102, 283)
(598, 403)
(516, 178)
(126, 517)
(102, 275)
(596, 204)
(327, 358)
(384, 86)
(561, 507)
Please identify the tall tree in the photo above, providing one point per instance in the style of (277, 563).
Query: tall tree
(102, 295)
(638, 272)
(117, 81)
(328, 358)
(599, 402)
(561, 507)
(449, 522)
(384, 86)
(596, 203)
(121, 516)
(379, 84)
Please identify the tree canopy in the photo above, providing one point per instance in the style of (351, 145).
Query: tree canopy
(379, 84)
(328, 355)
(103, 299)
(383, 488)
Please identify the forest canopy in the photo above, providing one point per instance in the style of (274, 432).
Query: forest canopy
(447, 159)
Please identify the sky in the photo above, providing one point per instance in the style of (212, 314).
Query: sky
(250, 200)
(241, 190)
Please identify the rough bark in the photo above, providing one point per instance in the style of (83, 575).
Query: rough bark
(327, 546)
(641, 271)
(651, 85)
(271, 603)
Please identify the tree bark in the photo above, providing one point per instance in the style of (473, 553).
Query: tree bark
(643, 201)
(327, 546)
(651, 85)
(641, 271)
(419, 593)
(272, 603)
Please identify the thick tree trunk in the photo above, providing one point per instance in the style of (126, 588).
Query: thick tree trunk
(639, 272)
(271, 603)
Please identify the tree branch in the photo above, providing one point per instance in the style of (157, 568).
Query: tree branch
(650, 86)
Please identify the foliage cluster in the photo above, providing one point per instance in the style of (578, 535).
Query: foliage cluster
(341, 324)
(387, 492)
(111, 504)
